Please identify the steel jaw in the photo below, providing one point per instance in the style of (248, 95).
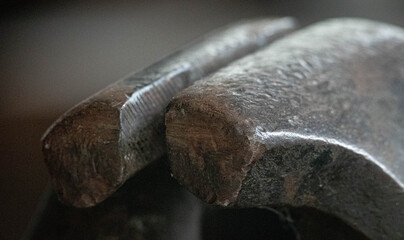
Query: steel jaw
(314, 120)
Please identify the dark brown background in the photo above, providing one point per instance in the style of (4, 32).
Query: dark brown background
(54, 54)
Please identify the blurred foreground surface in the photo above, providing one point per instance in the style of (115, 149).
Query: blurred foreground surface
(53, 55)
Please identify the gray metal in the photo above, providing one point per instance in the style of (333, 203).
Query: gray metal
(316, 119)
(152, 206)
(96, 146)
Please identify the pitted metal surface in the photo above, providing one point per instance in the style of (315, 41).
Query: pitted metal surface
(315, 119)
(142, 116)
(95, 147)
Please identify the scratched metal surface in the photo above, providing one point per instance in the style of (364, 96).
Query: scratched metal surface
(142, 116)
(321, 115)
(92, 149)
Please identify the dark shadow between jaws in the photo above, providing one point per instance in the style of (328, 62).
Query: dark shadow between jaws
(277, 224)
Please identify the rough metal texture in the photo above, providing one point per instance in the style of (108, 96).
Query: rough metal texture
(152, 206)
(93, 148)
(315, 119)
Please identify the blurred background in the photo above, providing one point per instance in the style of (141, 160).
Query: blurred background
(54, 54)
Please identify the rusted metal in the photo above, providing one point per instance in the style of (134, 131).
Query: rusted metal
(314, 120)
(152, 206)
(96, 146)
